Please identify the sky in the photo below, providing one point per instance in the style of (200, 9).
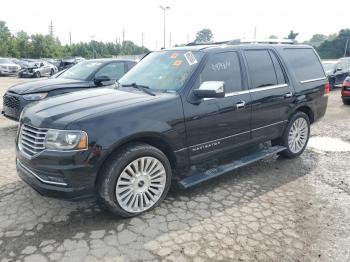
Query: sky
(105, 20)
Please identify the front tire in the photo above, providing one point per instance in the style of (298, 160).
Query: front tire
(37, 74)
(346, 102)
(135, 179)
(296, 135)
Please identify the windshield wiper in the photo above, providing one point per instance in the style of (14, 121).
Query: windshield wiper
(143, 88)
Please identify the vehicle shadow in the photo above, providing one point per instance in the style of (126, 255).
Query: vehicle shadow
(253, 194)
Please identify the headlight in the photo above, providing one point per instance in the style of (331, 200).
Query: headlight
(66, 140)
(35, 97)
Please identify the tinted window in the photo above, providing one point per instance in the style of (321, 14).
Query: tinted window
(304, 63)
(261, 69)
(81, 71)
(223, 67)
(278, 69)
(113, 70)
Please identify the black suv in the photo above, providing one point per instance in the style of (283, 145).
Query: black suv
(185, 115)
(85, 75)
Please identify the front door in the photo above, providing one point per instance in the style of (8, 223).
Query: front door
(217, 125)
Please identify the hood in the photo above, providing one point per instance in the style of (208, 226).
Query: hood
(46, 85)
(59, 111)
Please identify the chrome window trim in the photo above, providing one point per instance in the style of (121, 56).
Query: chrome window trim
(38, 177)
(257, 89)
(313, 80)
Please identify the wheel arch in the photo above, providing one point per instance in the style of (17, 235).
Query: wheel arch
(149, 138)
(307, 110)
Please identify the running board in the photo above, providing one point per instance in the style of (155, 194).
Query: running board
(198, 176)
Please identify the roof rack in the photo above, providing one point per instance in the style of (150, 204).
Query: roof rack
(248, 41)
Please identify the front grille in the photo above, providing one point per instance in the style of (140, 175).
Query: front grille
(11, 101)
(13, 68)
(31, 140)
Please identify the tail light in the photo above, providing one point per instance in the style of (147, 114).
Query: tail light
(326, 88)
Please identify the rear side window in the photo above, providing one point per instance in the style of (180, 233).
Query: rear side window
(223, 67)
(304, 63)
(261, 68)
(113, 70)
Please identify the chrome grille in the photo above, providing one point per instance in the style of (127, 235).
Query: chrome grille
(31, 140)
(13, 68)
(11, 101)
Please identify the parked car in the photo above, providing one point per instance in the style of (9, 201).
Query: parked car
(340, 72)
(87, 74)
(69, 62)
(8, 67)
(345, 91)
(37, 69)
(329, 66)
(185, 115)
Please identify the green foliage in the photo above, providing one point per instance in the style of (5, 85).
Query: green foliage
(22, 45)
(334, 47)
(273, 37)
(317, 39)
(204, 36)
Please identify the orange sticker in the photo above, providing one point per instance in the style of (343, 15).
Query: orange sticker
(173, 56)
(177, 62)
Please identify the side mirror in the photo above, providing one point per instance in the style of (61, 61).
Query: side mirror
(210, 89)
(100, 79)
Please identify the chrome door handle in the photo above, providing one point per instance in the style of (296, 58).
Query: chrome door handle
(288, 95)
(240, 104)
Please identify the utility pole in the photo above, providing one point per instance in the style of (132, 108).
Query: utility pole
(255, 32)
(170, 39)
(346, 46)
(164, 8)
(70, 38)
(123, 36)
(51, 29)
(142, 39)
(93, 46)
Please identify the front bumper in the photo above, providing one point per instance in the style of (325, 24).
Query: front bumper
(8, 72)
(26, 73)
(58, 174)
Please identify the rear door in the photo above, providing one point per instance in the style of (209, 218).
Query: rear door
(270, 93)
(219, 124)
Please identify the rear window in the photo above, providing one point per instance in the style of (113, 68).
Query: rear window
(304, 63)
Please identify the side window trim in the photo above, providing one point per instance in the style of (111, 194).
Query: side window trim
(273, 53)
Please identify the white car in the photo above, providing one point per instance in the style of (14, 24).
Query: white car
(7, 67)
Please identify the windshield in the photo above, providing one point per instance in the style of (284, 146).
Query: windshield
(164, 70)
(5, 61)
(81, 71)
(328, 66)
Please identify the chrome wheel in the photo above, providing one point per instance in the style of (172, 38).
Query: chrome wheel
(141, 184)
(298, 135)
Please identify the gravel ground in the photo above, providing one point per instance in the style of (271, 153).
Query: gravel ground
(273, 210)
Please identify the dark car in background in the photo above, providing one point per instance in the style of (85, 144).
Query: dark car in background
(87, 74)
(68, 62)
(340, 71)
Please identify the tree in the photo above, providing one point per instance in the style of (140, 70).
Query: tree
(204, 36)
(273, 37)
(292, 35)
(317, 39)
(335, 47)
(5, 38)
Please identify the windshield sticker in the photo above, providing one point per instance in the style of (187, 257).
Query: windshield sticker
(177, 62)
(191, 60)
(173, 56)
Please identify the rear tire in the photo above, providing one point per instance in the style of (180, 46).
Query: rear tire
(52, 72)
(296, 136)
(134, 180)
(346, 102)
